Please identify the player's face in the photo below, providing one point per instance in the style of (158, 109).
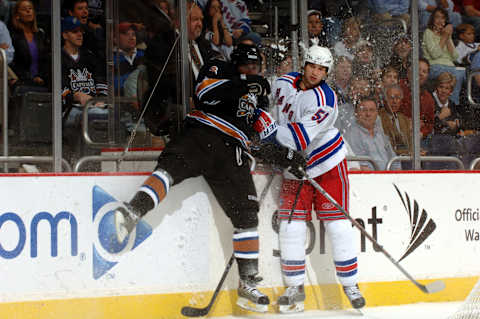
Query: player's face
(80, 11)
(195, 23)
(394, 99)
(366, 114)
(313, 74)
(127, 40)
(249, 69)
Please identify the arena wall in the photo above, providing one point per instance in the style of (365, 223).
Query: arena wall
(59, 258)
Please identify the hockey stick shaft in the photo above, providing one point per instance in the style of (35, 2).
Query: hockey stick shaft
(429, 288)
(200, 312)
(297, 195)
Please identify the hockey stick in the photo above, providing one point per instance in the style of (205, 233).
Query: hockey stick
(429, 288)
(295, 201)
(200, 312)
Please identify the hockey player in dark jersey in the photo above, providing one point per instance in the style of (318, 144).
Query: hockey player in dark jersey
(218, 135)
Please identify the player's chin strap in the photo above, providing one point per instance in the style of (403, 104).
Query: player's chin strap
(134, 133)
(429, 288)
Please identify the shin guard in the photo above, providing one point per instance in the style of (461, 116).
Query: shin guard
(344, 243)
(292, 238)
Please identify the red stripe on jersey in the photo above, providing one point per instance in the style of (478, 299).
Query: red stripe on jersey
(323, 153)
(322, 95)
(301, 138)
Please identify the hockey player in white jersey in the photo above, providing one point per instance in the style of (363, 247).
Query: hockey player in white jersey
(306, 110)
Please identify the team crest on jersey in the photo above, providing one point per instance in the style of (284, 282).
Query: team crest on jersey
(214, 69)
(82, 80)
(246, 106)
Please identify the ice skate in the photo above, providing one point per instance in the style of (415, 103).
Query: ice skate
(250, 298)
(292, 300)
(125, 220)
(355, 296)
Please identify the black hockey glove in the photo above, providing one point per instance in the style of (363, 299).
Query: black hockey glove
(282, 157)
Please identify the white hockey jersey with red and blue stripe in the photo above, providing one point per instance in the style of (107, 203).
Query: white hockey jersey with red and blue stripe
(306, 119)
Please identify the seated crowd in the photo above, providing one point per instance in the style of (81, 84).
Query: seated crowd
(372, 75)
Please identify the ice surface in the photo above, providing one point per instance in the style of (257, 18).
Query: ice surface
(437, 310)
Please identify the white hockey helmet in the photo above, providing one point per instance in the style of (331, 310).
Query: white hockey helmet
(318, 55)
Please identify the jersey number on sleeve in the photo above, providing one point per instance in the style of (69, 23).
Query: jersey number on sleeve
(320, 116)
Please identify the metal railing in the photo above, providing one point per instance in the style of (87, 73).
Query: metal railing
(363, 159)
(470, 78)
(426, 159)
(4, 98)
(34, 160)
(114, 158)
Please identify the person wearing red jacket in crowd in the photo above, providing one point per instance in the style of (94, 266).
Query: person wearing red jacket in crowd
(427, 105)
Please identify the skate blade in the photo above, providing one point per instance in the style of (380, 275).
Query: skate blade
(249, 305)
(296, 307)
(120, 230)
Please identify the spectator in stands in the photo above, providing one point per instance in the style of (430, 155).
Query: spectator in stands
(200, 49)
(396, 125)
(81, 70)
(235, 13)
(402, 53)
(471, 15)
(447, 116)
(466, 47)
(426, 7)
(388, 9)
(447, 123)
(6, 42)
(315, 27)
(365, 63)
(94, 33)
(388, 77)
(127, 57)
(341, 78)
(216, 32)
(366, 136)
(350, 37)
(360, 87)
(31, 62)
(427, 105)
(439, 50)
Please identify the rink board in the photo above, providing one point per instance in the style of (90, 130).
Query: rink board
(57, 255)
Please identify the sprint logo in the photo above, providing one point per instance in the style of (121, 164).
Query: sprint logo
(421, 226)
(106, 249)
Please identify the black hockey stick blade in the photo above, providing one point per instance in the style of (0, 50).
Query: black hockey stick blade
(195, 312)
(188, 311)
(433, 287)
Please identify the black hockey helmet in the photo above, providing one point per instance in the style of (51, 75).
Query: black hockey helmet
(245, 54)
